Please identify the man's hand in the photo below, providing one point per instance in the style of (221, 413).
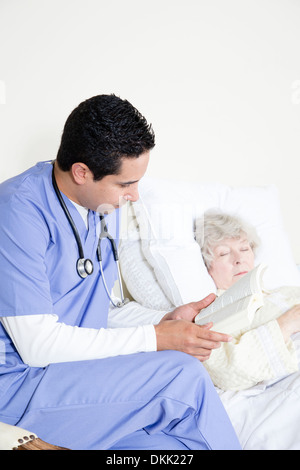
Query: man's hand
(189, 311)
(178, 331)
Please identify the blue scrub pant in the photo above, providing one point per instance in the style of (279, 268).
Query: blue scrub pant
(161, 400)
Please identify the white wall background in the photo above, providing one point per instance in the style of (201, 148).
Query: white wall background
(218, 79)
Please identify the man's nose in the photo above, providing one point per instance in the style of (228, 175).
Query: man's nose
(133, 195)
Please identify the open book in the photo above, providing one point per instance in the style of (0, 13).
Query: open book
(234, 310)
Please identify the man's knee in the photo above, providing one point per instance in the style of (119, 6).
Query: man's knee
(191, 367)
(190, 381)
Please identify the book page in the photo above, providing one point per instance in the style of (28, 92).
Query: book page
(234, 317)
(248, 285)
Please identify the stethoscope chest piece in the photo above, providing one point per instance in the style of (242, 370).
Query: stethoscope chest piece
(84, 267)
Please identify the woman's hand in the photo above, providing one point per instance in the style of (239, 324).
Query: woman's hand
(289, 322)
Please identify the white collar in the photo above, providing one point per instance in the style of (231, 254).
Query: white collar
(83, 211)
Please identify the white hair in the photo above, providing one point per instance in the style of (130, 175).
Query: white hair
(216, 226)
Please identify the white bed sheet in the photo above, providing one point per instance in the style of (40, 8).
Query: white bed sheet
(267, 416)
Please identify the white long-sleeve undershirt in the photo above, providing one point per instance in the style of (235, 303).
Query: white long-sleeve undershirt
(42, 340)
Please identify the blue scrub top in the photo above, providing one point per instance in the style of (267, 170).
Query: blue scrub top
(38, 255)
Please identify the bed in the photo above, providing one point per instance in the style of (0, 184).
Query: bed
(162, 267)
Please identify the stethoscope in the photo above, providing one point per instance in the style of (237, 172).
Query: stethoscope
(84, 266)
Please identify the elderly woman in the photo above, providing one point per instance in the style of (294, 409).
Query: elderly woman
(265, 351)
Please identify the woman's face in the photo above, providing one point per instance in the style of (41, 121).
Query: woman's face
(233, 258)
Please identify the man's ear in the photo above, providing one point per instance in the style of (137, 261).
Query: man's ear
(80, 172)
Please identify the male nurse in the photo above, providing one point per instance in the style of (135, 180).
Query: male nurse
(64, 373)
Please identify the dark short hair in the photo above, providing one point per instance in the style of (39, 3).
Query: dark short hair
(100, 132)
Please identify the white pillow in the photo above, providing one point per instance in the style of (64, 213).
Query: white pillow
(166, 213)
(138, 274)
(260, 207)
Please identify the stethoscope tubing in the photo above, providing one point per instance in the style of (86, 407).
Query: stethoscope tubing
(68, 215)
(84, 266)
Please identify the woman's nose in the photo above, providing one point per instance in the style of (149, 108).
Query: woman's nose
(237, 258)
